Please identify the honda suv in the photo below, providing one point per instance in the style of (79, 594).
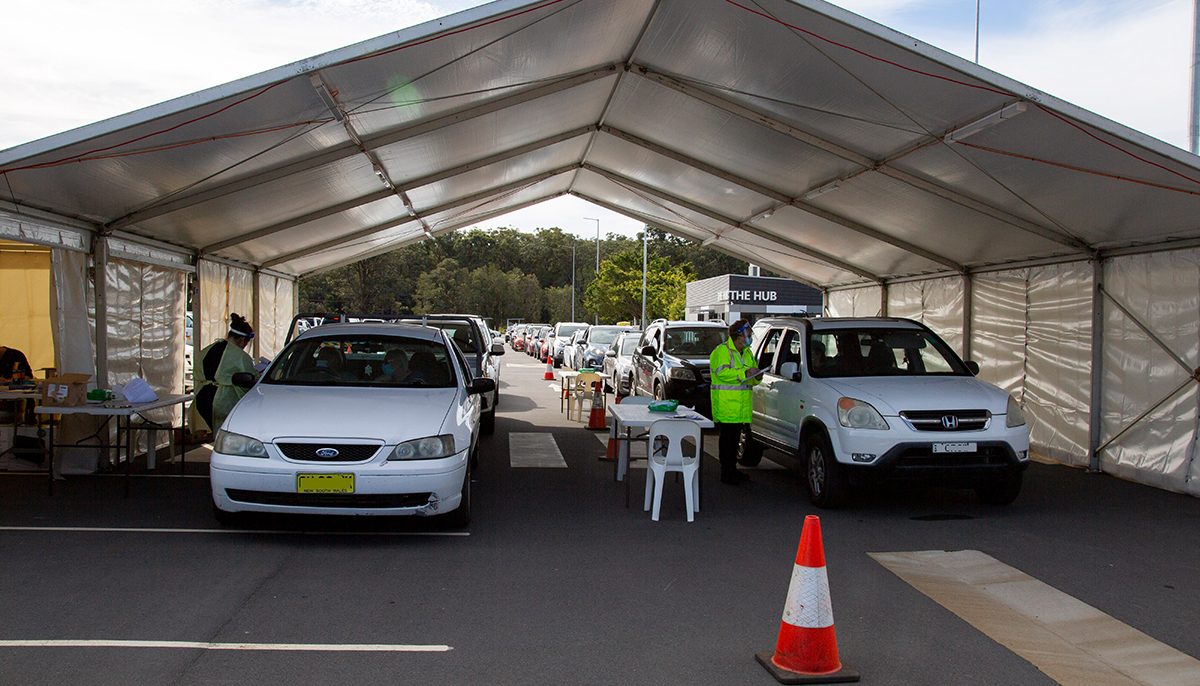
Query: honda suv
(671, 361)
(856, 400)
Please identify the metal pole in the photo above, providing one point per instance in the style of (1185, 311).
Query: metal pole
(645, 236)
(1194, 119)
(977, 30)
(572, 282)
(1096, 396)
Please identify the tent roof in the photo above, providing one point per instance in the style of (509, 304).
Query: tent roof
(791, 133)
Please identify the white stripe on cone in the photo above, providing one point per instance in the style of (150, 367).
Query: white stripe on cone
(808, 604)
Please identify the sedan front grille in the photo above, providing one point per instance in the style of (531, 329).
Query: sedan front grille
(947, 420)
(327, 452)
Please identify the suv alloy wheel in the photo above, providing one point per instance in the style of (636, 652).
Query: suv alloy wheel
(826, 484)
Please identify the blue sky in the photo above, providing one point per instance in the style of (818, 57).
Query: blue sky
(71, 62)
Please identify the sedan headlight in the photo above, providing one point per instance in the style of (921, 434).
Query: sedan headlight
(429, 448)
(229, 443)
(682, 374)
(856, 414)
(1016, 416)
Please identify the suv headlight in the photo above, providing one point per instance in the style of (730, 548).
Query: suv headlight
(856, 414)
(1016, 416)
(229, 443)
(429, 448)
(681, 374)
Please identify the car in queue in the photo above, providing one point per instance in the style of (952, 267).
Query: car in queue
(327, 431)
(517, 338)
(592, 346)
(472, 336)
(538, 336)
(571, 350)
(618, 362)
(561, 336)
(851, 401)
(671, 361)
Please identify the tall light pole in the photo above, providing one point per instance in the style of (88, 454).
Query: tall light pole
(591, 219)
(572, 281)
(645, 233)
(977, 31)
(1194, 115)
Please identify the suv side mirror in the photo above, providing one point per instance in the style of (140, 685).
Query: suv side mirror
(648, 350)
(789, 370)
(481, 385)
(973, 367)
(497, 348)
(610, 353)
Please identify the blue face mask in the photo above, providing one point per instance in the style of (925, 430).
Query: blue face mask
(388, 369)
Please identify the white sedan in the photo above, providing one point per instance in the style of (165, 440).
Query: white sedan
(354, 419)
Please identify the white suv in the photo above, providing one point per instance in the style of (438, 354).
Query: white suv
(856, 400)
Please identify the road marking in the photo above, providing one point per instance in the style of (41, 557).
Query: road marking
(534, 450)
(518, 365)
(66, 477)
(204, 645)
(1068, 640)
(149, 530)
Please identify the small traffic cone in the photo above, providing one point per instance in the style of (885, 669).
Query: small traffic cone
(596, 418)
(806, 652)
(610, 453)
(549, 375)
(618, 398)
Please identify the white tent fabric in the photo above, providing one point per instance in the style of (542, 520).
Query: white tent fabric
(790, 133)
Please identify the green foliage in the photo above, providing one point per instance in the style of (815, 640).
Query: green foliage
(507, 273)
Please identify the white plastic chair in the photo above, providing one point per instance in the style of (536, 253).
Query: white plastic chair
(581, 389)
(666, 454)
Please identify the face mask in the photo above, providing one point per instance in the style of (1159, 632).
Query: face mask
(388, 369)
(749, 339)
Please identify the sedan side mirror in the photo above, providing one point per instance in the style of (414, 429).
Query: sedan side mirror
(497, 348)
(481, 385)
(243, 379)
(973, 367)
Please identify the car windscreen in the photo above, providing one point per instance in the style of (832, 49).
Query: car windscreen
(363, 360)
(462, 333)
(600, 335)
(881, 352)
(693, 341)
(629, 344)
(565, 330)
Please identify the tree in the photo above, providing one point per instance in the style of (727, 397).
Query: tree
(443, 289)
(617, 294)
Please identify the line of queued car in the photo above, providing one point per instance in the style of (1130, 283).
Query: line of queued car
(363, 418)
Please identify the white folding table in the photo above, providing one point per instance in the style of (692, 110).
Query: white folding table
(627, 416)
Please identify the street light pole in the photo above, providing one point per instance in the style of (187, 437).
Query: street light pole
(597, 241)
(645, 232)
(572, 282)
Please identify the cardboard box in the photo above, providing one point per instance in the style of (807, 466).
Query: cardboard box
(65, 390)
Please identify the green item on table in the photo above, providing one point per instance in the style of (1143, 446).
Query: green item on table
(663, 406)
(587, 370)
(100, 394)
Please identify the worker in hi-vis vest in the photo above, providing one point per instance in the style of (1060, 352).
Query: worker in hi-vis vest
(734, 371)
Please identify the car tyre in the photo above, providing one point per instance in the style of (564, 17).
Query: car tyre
(461, 516)
(823, 475)
(750, 451)
(1001, 491)
(659, 393)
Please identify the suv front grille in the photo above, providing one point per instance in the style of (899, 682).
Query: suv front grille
(947, 420)
(345, 452)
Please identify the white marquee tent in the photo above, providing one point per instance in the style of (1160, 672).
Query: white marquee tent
(1058, 249)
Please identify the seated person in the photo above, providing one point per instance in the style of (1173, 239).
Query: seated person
(817, 354)
(395, 367)
(880, 358)
(13, 364)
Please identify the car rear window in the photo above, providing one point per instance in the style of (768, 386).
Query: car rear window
(363, 360)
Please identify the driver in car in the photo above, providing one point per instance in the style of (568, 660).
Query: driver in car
(395, 366)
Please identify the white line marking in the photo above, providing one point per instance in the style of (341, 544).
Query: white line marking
(202, 645)
(1068, 640)
(110, 474)
(526, 366)
(534, 450)
(147, 530)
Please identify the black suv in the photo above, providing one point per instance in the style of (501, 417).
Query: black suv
(671, 361)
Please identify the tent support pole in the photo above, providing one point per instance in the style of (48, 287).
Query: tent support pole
(967, 310)
(1097, 364)
(100, 284)
(883, 299)
(197, 326)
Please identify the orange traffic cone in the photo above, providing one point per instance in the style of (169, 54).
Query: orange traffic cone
(610, 453)
(549, 375)
(596, 418)
(806, 652)
(618, 398)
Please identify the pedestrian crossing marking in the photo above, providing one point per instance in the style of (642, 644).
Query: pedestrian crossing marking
(528, 450)
(1068, 640)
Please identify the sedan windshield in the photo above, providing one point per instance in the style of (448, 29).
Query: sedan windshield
(693, 341)
(363, 360)
(881, 352)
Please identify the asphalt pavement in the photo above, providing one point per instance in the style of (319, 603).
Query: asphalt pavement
(555, 581)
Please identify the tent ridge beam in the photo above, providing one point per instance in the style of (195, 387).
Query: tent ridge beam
(780, 197)
(861, 160)
(349, 149)
(622, 180)
(514, 185)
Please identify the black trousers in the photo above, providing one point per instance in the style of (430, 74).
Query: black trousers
(727, 445)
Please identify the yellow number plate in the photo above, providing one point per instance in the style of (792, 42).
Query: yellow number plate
(324, 483)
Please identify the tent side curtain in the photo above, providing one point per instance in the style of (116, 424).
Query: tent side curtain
(275, 312)
(1163, 291)
(855, 302)
(25, 317)
(936, 303)
(146, 325)
(224, 290)
(72, 327)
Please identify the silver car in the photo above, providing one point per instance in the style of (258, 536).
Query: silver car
(618, 362)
